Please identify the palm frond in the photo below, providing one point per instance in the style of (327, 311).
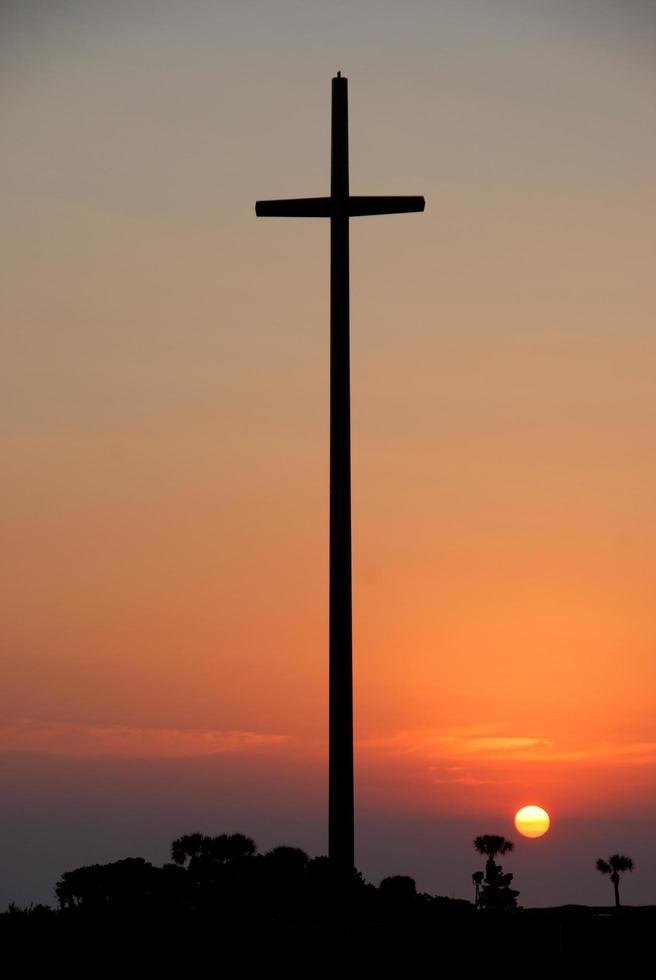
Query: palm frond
(492, 844)
(619, 862)
(185, 847)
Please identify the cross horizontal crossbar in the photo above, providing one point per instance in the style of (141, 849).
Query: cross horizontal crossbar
(326, 207)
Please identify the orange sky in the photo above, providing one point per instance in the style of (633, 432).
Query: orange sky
(166, 378)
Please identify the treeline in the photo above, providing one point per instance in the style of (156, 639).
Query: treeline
(227, 874)
(219, 900)
(219, 903)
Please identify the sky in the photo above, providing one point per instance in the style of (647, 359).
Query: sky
(165, 433)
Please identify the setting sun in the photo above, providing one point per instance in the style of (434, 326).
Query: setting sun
(532, 821)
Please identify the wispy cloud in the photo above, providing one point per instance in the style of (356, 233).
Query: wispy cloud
(460, 744)
(123, 741)
(467, 781)
(474, 757)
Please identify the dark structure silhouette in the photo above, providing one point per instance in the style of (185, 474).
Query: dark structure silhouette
(616, 865)
(340, 207)
(477, 881)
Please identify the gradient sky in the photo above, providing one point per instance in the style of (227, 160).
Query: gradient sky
(165, 432)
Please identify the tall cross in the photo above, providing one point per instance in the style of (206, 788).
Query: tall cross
(339, 207)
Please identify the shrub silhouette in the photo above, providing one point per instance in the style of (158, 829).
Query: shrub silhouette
(398, 886)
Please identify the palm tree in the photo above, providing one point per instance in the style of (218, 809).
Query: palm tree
(495, 892)
(477, 878)
(493, 844)
(617, 864)
(208, 850)
(188, 846)
(229, 847)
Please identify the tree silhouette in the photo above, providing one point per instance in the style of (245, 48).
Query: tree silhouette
(616, 865)
(496, 892)
(232, 847)
(287, 861)
(187, 846)
(398, 886)
(219, 869)
(477, 879)
(204, 852)
(283, 876)
(493, 844)
(130, 883)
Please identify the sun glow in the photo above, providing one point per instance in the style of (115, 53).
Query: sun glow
(532, 821)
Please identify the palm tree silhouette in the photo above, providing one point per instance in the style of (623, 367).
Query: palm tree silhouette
(188, 846)
(477, 878)
(617, 864)
(211, 850)
(495, 892)
(493, 844)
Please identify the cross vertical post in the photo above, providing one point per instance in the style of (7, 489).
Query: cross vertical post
(340, 207)
(340, 796)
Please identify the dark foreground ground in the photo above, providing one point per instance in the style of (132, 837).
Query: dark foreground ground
(396, 936)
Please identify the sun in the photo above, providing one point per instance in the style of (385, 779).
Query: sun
(532, 821)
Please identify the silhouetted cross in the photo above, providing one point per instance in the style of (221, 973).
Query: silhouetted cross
(339, 207)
